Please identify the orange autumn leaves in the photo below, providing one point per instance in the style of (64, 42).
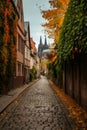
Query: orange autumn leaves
(7, 14)
(75, 111)
(52, 56)
(55, 17)
(8, 22)
(58, 3)
(6, 27)
(54, 20)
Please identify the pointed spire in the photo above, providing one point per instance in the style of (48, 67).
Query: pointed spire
(45, 40)
(40, 40)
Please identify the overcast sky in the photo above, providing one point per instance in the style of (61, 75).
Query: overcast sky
(33, 15)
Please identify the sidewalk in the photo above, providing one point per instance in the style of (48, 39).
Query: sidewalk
(6, 100)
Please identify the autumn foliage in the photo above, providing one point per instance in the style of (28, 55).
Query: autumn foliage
(54, 18)
(8, 35)
(76, 112)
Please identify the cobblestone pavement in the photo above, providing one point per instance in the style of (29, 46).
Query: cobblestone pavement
(37, 109)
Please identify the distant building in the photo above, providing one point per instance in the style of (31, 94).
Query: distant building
(42, 47)
(33, 54)
(34, 58)
(42, 52)
(27, 52)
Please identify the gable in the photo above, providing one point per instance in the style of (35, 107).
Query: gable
(19, 6)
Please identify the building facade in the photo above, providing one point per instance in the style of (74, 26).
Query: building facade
(19, 75)
(33, 54)
(27, 52)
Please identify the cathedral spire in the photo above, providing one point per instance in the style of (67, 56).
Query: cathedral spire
(45, 41)
(40, 40)
(40, 48)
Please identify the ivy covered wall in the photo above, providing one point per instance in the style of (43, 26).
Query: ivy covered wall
(72, 51)
(73, 37)
(8, 35)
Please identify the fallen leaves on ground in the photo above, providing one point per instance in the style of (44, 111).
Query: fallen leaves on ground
(76, 111)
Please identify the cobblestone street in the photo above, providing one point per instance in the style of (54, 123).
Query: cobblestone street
(38, 108)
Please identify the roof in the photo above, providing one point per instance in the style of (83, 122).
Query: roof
(26, 25)
(46, 51)
(32, 43)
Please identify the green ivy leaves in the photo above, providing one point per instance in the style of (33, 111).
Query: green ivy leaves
(74, 30)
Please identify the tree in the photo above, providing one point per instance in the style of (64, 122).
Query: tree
(54, 18)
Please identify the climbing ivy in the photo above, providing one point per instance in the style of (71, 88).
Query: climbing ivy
(73, 36)
(8, 33)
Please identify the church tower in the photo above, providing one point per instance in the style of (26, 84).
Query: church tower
(45, 41)
(40, 48)
(45, 46)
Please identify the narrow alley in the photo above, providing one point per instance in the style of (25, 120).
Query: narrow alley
(39, 108)
(43, 65)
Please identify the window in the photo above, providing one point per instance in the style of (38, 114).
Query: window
(20, 44)
(19, 69)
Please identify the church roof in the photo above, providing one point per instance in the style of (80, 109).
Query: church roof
(46, 51)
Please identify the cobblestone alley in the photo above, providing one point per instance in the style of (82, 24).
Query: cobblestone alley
(38, 108)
